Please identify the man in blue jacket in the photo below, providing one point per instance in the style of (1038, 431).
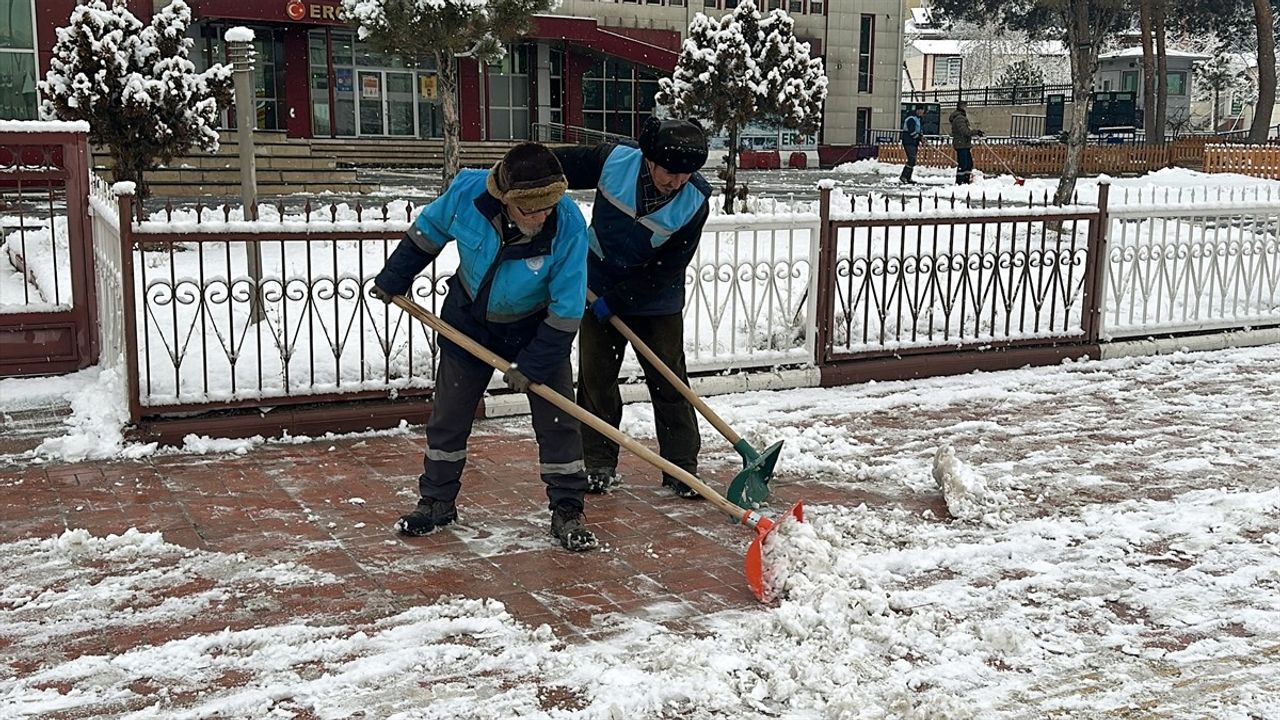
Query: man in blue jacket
(912, 134)
(520, 290)
(650, 206)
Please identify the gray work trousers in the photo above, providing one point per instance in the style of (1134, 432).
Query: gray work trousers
(460, 385)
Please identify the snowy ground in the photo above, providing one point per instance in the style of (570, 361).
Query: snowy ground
(1120, 558)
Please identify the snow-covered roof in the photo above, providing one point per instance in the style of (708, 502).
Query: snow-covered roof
(1137, 52)
(963, 47)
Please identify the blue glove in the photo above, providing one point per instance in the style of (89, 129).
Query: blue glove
(601, 310)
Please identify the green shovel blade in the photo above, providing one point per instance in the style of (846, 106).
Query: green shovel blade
(751, 486)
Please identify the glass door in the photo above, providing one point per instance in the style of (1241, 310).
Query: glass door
(400, 103)
(369, 88)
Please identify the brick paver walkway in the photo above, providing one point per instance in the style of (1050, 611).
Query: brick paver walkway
(330, 505)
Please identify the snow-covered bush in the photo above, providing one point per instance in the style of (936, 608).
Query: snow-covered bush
(743, 67)
(134, 85)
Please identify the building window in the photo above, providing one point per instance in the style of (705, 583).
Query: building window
(268, 69)
(711, 3)
(866, 52)
(373, 94)
(1237, 103)
(947, 71)
(556, 78)
(817, 7)
(1129, 81)
(509, 95)
(617, 96)
(795, 7)
(1176, 83)
(862, 128)
(18, 99)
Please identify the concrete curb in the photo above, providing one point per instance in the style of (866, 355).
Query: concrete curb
(1193, 343)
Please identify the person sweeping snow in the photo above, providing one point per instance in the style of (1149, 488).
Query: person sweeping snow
(520, 291)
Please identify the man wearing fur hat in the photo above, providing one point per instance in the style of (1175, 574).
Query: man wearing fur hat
(650, 206)
(519, 290)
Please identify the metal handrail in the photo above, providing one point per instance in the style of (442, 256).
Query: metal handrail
(560, 133)
(1010, 95)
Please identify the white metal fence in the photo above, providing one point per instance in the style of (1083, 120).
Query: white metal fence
(1199, 264)
(1204, 263)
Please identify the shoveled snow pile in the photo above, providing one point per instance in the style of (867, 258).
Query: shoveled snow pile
(965, 490)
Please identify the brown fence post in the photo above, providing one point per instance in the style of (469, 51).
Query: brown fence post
(1095, 273)
(80, 234)
(128, 303)
(824, 312)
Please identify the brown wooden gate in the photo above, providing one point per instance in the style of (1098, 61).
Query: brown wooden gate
(48, 309)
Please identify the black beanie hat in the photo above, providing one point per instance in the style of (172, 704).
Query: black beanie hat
(678, 146)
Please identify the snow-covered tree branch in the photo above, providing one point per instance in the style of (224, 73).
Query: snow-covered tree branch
(745, 66)
(134, 85)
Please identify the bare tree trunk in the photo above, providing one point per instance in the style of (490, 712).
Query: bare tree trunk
(1084, 62)
(730, 171)
(1266, 71)
(1217, 108)
(128, 166)
(447, 69)
(1162, 68)
(1148, 74)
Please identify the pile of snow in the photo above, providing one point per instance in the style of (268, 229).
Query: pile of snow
(965, 490)
(99, 413)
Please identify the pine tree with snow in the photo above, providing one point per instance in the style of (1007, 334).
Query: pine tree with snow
(1021, 78)
(743, 67)
(135, 86)
(448, 30)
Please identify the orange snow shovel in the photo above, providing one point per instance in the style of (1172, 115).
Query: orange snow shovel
(761, 524)
(750, 487)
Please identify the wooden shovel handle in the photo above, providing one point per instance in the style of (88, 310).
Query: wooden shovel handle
(680, 385)
(498, 363)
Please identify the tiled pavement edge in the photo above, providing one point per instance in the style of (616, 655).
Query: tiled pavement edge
(330, 505)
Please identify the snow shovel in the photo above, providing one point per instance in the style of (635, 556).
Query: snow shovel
(761, 524)
(751, 486)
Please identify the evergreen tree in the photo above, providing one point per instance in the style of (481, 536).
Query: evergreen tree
(448, 30)
(1225, 73)
(1021, 77)
(743, 67)
(1241, 25)
(133, 84)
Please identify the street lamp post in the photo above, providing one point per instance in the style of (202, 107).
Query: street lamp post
(240, 47)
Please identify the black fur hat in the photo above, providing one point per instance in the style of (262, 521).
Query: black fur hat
(678, 146)
(528, 176)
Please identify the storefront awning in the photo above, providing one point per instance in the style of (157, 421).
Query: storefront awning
(590, 34)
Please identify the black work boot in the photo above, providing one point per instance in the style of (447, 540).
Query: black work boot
(429, 516)
(602, 480)
(568, 528)
(679, 488)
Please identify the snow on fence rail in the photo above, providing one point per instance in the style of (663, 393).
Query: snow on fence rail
(919, 278)
(1192, 267)
(320, 335)
(923, 275)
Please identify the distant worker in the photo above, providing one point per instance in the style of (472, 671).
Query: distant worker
(912, 134)
(962, 140)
